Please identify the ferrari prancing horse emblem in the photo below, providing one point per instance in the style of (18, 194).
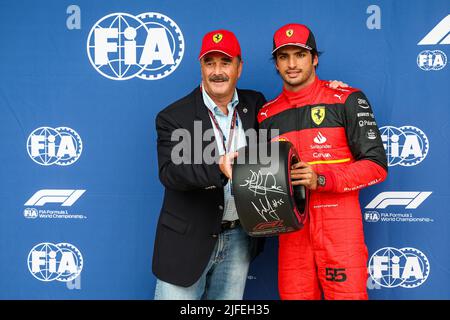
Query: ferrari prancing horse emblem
(318, 114)
(217, 37)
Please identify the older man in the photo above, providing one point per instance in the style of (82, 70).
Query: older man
(201, 251)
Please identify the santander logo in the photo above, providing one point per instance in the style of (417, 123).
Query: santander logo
(320, 138)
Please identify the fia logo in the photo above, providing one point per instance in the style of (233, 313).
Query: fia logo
(49, 262)
(149, 46)
(61, 146)
(405, 146)
(435, 59)
(30, 213)
(406, 267)
(431, 60)
(371, 216)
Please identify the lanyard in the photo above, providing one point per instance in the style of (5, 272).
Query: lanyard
(231, 133)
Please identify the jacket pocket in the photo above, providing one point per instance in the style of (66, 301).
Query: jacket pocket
(173, 222)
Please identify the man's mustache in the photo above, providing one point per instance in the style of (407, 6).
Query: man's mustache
(219, 78)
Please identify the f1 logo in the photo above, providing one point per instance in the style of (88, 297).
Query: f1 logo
(65, 197)
(398, 198)
(439, 34)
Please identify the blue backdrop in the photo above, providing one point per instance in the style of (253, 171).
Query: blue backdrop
(79, 188)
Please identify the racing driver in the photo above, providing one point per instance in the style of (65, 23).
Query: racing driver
(341, 152)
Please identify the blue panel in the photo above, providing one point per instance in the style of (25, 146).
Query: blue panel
(78, 150)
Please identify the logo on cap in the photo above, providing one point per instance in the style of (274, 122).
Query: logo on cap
(217, 37)
(294, 34)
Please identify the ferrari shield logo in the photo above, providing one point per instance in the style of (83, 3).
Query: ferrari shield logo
(217, 37)
(289, 32)
(318, 114)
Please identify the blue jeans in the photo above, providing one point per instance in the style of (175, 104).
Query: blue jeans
(224, 277)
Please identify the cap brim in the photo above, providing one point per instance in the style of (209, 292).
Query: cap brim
(292, 44)
(214, 50)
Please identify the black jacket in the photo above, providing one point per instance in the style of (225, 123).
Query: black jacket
(193, 205)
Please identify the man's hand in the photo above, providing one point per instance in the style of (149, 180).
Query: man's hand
(226, 162)
(303, 174)
(333, 84)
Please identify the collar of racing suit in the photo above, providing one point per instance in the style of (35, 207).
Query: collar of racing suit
(299, 97)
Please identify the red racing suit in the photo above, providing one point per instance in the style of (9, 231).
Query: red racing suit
(335, 131)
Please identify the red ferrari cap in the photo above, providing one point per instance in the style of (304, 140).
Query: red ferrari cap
(294, 34)
(220, 41)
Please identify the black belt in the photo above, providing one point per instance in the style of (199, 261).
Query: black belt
(227, 225)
